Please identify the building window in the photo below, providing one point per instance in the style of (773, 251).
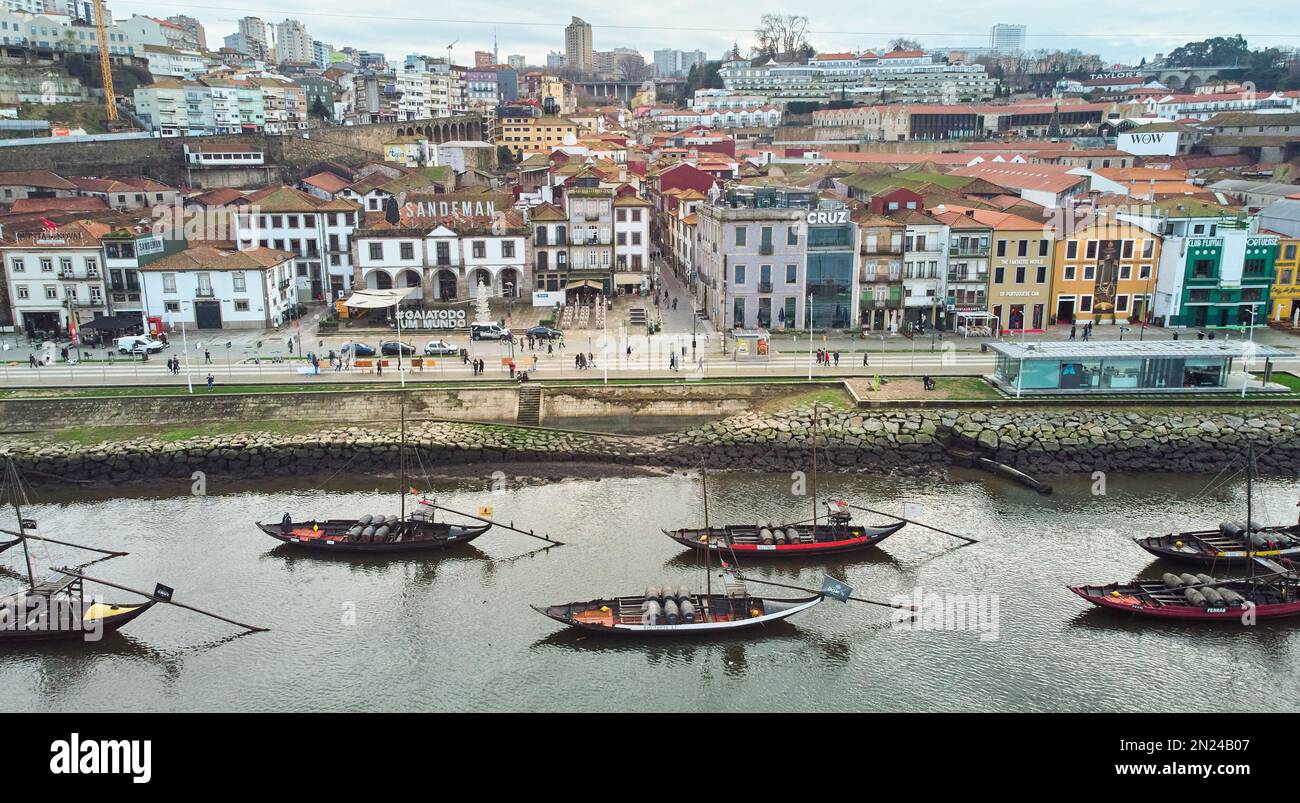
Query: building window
(241, 305)
(237, 281)
(507, 249)
(1085, 304)
(47, 265)
(1069, 272)
(169, 282)
(1072, 249)
(23, 292)
(1020, 273)
(791, 273)
(376, 250)
(18, 265)
(1022, 248)
(1121, 303)
(740, 236)
(740, 274)
(1203, 269)
(407, 250)
(171, 306)
(480, 249)
(1043, 246)
(52, 291)
(1089, 272)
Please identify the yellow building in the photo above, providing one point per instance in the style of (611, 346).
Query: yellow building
(1286, 282)
(526, 136)
(1104, 272)
(1020, 271)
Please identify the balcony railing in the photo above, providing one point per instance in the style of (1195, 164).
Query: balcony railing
(958, 251)
(764, 287)
(765, 249)
(204, 292)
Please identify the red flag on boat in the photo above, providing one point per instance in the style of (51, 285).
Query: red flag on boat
(48, 225)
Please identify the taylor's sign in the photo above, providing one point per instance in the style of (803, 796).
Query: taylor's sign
(451, 208)
(433, 319)
(822, 218)
(1106, 76)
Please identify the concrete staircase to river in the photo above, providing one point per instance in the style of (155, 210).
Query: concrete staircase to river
(529, 412)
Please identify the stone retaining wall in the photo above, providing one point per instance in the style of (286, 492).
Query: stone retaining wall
(1039, 442)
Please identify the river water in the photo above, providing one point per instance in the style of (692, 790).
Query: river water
(455, 631)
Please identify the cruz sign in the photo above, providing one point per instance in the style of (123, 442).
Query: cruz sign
(828, 218)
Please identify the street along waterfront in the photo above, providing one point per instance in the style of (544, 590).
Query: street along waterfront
(454, 631)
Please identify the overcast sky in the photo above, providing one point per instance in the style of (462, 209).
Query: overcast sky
(1121, 31)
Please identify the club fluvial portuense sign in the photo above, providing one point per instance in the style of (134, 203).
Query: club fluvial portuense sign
(432, 319)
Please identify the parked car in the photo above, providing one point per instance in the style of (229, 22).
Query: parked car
(440, 347)
(488, 331)
(390, 348)
(360, 349)
(543, 333)
(138, 344)
(296, 311)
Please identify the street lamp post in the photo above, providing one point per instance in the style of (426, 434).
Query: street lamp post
(808, 314)
(189, 380)
(1250, 345)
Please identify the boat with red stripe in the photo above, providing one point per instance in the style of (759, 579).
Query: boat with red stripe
(789, 540)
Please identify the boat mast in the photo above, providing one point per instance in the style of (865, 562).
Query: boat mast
(401, 462)
(13, 488)
(708, 556)
(1250, 483)
(814, 470)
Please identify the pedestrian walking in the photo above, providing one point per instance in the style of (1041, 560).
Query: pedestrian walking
(865, 355)
(837, 359)
(534, 362)
(290, 341)
(1073, 330)
(207, 357)
(550, 348)
(31, 358)
(211, 381)
(511, 366)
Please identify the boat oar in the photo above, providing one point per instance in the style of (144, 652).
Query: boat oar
(528, 533)
(8, 544)
(60, 543)
(156, 598)
(912, 521)
(820, 593)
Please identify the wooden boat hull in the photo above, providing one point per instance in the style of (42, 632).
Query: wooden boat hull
(589, 616)
(828, 540)
(1211, 548)
(1136, 598)
(331, 537)
(110, 617)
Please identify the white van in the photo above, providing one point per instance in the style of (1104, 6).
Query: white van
(487, 331)
(138, 344)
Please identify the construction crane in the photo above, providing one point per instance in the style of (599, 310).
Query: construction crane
(449, 47)
(105, 67)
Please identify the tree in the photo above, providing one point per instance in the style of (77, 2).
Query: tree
(1219, 51)
(781, 35)
(505, 156)
(902, 43)
(318, 110)
(481, 312)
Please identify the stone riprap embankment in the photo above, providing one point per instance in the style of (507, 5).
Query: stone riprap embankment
(1040, 441)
